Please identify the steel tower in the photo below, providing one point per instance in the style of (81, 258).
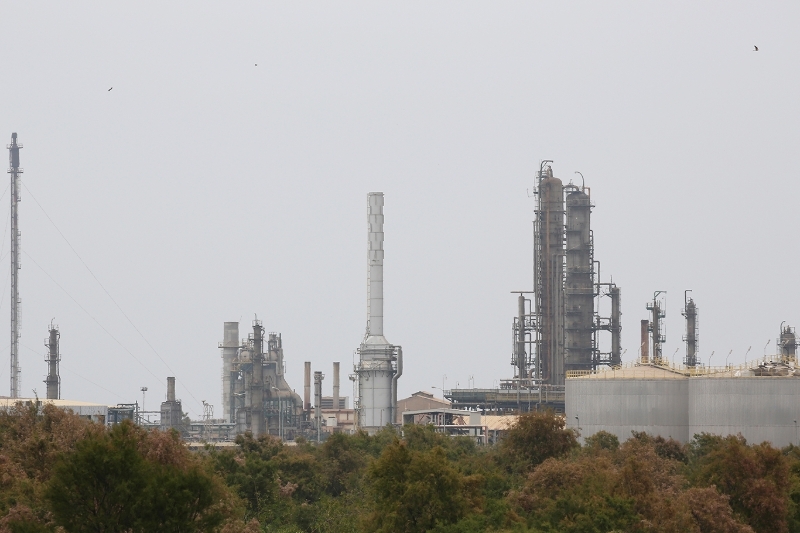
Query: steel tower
(15, 171)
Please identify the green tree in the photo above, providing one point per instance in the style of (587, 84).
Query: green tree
(128, 479)
(756, 478)
(537, 436)
(416, 490)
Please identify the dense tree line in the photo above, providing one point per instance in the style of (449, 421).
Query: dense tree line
(61, 473)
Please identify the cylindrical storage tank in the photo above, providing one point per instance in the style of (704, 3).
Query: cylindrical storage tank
(579, 286)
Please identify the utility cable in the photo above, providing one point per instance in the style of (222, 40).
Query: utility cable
(106, 291)
(73, 372)
(90, 315)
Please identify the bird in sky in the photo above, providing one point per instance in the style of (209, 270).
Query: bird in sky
(256, 64)
(755, 48)
(111, 88)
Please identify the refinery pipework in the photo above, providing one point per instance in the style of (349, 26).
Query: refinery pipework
(380, 363)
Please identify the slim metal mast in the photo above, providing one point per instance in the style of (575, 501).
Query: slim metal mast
(15, 171)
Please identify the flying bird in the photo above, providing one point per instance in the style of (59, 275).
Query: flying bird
(755, 48)
(111, 88)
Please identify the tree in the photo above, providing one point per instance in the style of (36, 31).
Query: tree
(416, 490)
(537, 436)
(756, 478)
(129, 479)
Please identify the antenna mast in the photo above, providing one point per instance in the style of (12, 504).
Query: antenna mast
(15, 171)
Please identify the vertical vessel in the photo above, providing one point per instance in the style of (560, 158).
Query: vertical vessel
(53, 358)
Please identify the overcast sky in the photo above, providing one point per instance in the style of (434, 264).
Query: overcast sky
(204, 188)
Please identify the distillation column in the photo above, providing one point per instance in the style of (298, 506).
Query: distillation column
(318, 377)
(616, 326)
(230, 348)
(550, 274)
(690, 312)
(521, 359)
(257, 384)
(15, 171)
(579, 285)
(53, 358)
(658, 338)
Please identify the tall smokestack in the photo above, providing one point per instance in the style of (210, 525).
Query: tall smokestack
(171, 389)
(376, 370)
(230, 347)
(53, 380)
(645, 342)
(307, 388)
(375, 261)
(336, 385)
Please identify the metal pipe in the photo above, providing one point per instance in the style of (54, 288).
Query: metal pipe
(394, 382)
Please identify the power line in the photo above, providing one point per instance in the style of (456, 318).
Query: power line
(73, 372)
(90, 315)
(106, 291)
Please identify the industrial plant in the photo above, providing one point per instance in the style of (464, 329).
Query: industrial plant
(560, 330)
(566, 356)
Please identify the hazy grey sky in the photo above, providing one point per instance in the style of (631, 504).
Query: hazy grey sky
(203, 188)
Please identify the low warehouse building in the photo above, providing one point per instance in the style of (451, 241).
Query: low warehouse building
(762, 403)
(90, 411)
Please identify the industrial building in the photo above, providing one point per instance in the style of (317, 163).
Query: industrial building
(255, 395)
(758, 400)
(562, 329)
(90, 411)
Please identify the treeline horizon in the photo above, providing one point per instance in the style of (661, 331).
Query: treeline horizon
(61, 473)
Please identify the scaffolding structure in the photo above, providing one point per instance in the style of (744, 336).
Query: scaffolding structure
(658, 337)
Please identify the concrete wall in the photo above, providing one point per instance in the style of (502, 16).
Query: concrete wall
(761, 409)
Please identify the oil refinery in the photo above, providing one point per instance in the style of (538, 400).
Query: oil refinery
(566, 356)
